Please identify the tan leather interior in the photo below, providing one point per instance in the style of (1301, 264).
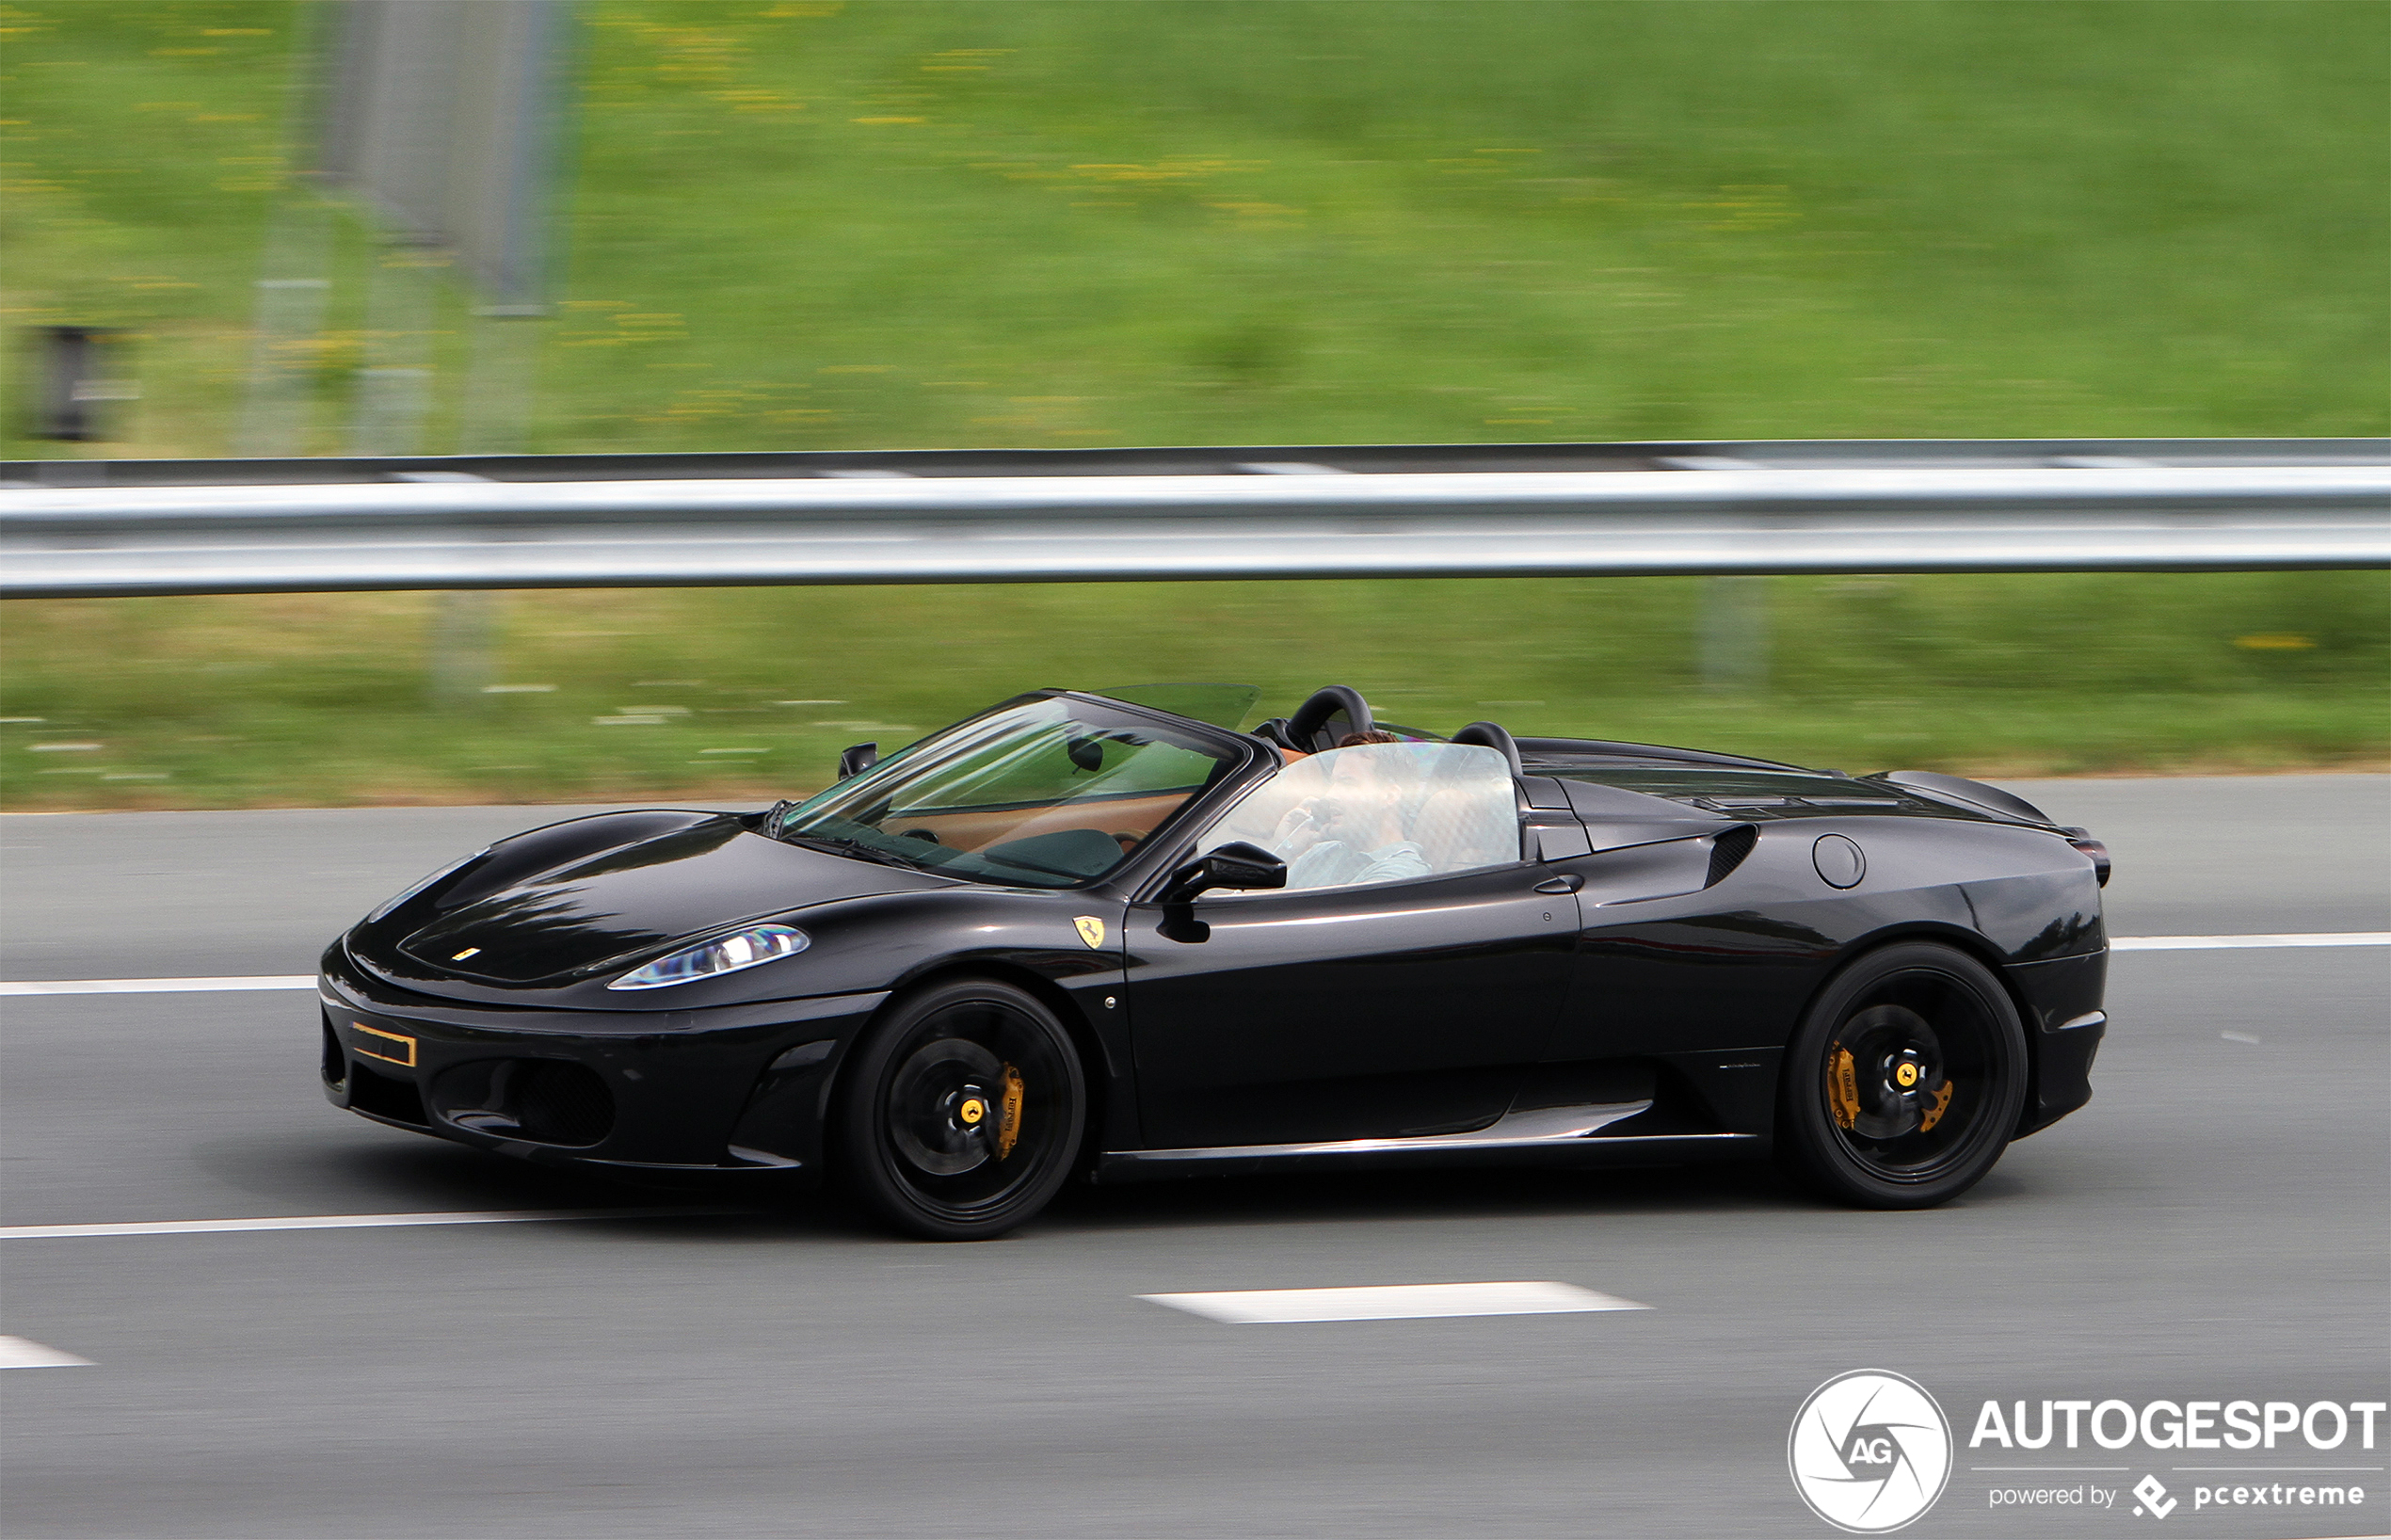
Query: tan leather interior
(1133, 816)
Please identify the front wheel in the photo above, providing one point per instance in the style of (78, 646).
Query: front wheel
(960, 1113)
(1906, 1080)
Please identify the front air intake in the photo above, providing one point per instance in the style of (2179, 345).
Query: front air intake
(386, 1096)
(559, 1103)
(544, 1101)
(335, 1068)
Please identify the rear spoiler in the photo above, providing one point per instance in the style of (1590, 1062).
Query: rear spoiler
(1983, 798)
(1967, 793)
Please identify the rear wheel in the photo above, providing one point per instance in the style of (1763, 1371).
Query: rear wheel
(1906, 1080)
(961, 1112)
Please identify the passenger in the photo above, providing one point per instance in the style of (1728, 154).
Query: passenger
(1353, 833)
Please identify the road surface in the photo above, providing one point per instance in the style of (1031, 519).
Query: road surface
(2212, 1227)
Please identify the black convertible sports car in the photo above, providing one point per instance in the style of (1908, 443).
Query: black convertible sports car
(1118, 935)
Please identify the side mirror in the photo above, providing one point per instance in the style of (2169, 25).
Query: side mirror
(856, 759)
(1236, 865)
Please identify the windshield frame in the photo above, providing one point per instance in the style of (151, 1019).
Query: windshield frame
(1242, 755)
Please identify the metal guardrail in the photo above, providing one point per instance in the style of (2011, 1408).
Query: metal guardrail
(165, 528)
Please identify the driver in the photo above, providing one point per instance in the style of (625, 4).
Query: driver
(1353, 833)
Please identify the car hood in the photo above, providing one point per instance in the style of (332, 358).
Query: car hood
(633, 900)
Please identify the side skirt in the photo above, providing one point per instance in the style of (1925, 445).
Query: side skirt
(1569, 1135)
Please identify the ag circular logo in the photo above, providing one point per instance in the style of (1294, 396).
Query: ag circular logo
(1870, 1451)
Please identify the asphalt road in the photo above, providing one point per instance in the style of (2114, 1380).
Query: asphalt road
(2214, 1226)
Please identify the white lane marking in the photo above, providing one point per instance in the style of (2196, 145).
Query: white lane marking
(307, 981)
(16, 1353)
(341, 1222)
(2250, 1038)
(156, 987)
(1392, 1302)
(2216, 943)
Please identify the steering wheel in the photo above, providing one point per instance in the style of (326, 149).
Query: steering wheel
(1305, 727)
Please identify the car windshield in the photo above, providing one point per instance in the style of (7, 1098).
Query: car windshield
(1044, 792)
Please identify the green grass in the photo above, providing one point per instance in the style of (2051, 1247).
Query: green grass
(890, 224)
(810, 226)
(320, 699)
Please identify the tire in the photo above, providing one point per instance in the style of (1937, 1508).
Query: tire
(960, 1113)
(1906, 1080)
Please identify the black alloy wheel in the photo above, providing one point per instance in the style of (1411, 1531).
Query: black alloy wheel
(1906, 1080)
(961, 1112)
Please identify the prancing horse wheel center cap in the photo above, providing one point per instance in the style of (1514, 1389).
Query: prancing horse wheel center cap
(1907, 1075)
(972, 1111)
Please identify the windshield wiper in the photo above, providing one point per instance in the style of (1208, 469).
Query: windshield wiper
(838, 844)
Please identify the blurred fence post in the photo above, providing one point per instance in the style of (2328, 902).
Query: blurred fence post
(393, 396)
(461, 647)
(1734, 640)
(80, 368)
(394, 389)
(500, 375)
(295, 280)
(290, 318)
(441, 115)
(464, 646)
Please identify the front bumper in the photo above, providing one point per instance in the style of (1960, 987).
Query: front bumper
(729, 1088)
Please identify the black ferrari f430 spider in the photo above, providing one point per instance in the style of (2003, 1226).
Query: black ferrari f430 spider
(1122, 935)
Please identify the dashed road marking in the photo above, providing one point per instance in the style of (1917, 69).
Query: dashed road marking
(1392, 1302)
(156, 987)
(342, 1222)
(17, 1353)
(2220, 944)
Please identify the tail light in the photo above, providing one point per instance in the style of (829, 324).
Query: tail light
(2081, 839)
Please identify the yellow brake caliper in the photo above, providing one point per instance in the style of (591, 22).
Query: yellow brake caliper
(1843, 1088)
(1008, 1121)
(1934, 1114)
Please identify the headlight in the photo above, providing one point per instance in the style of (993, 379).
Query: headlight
(724, 955)
(389, 905)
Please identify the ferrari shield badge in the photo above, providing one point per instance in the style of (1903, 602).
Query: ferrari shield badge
(1091, 930)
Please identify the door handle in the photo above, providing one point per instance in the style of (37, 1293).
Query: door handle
(1568, 882)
